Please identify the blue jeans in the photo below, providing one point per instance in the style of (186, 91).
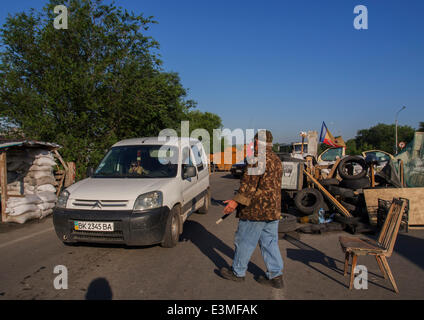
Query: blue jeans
(248, 234)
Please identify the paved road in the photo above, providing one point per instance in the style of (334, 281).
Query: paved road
(313, 265)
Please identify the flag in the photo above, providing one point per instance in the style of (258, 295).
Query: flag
(327, 138)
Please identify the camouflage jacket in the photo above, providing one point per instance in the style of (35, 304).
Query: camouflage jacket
(259, 196)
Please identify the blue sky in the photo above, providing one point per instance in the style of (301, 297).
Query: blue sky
(289, 65)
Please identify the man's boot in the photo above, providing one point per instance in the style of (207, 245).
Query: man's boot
(229, 275)
(276, 282)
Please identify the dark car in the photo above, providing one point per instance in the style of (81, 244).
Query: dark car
(238, 169)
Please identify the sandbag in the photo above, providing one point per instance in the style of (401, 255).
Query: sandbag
(47, 196)
(13, 192)
(35, 167)
(45, 180)
(40, 174)
(15, 188)
(44, 161)
(45, 213)
(14, 184)
(29, 187)
(46, 187)
(20, 187)
(46, 205)
(29, 199)
(40, 153)
(29, 180)
(24, 217)
(18, 210)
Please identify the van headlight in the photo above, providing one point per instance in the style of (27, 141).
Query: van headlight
(63, 199)
(148, 200)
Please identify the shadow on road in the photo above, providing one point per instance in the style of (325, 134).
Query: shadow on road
(211, 246)
(99, 289)
(230, 176)
(309, 255)
(411, 248)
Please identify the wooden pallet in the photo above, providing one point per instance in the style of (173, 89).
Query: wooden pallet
(414, 195)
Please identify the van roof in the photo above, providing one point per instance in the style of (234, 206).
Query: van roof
(154, 141)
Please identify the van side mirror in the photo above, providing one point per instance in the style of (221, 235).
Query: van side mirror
(90, 172)
(189, 171)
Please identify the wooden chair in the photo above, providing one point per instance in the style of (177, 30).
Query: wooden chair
(381, 249)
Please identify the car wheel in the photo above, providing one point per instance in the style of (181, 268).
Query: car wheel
(172, 230)
(206, 202)
(308, 199)
(348, 161)
(356, 184)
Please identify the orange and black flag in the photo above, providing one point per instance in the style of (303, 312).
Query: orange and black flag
(327, 138)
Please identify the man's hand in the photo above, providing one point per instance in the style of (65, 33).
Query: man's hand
(231, 206)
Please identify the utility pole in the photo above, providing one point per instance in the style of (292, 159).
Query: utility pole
(396, 124)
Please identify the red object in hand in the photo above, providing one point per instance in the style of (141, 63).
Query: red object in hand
(231, 206)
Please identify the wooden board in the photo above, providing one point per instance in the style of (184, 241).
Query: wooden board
(415, 196)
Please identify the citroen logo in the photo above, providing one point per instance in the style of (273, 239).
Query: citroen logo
(97, 204)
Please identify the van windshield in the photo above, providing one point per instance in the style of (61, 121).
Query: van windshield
(298, 148)
(145, 161)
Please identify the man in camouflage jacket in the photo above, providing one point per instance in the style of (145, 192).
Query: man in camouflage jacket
(258, 204)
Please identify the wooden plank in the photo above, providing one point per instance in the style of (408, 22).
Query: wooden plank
(415, 196)
(372, 174)
(333, 170)
(70, 174)
(3, 184)
(60, 185)
(61, 160)
(342, 209)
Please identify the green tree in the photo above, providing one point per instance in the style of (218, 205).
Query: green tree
(205, 120)
(421, 128)
(88, 86)
(382, 137)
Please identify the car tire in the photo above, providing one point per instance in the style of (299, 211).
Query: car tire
(287, 223)
(206, 203)
(356, 184)
(343, 192)
(329, 182)
(172, 229)
(347, 161)
(349, 207)
(303, 198)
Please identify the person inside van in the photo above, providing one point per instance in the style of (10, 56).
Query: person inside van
(135, 167)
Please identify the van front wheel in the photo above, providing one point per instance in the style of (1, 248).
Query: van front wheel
(172, 231)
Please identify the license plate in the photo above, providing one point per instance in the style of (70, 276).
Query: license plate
(93, 226)
(239, 171)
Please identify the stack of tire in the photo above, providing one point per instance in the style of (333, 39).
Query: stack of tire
(352, 180)
(309, 200)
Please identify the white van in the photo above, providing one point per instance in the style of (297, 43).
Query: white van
(140, 194)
